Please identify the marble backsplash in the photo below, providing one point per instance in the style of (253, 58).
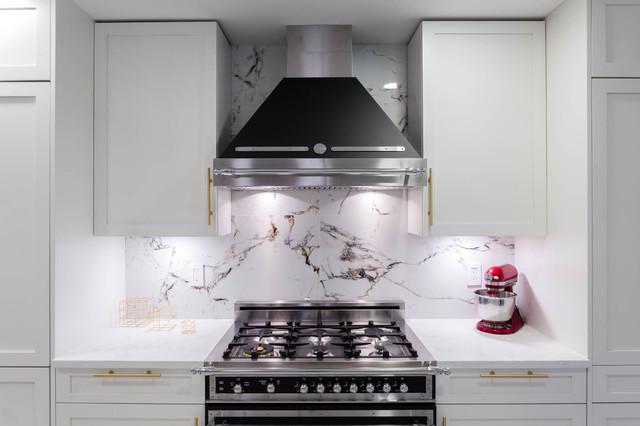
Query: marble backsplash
(327, 244)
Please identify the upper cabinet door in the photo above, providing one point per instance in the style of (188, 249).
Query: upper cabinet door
(25, 40)
(616, 224)
(479, 107)
(24, 224)
(162, 105)
(615, 34)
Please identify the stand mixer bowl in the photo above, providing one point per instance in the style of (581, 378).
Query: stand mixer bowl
(495, 306)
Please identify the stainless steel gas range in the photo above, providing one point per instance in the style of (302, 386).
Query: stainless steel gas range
(320, 363)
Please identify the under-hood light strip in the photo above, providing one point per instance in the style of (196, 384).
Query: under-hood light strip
(272, 148)
(367, 148)
(319, 172)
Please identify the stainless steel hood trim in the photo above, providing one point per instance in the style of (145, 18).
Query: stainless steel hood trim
(319, 172)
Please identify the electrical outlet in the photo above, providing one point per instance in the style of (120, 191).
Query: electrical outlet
(474, 274)
(198, 275)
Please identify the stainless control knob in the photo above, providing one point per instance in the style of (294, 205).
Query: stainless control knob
(404, 388)
(320, 388)
(353, 388)
(386, 388)
(304, 388)
(271, 388)
(370, 387)
(237, 388)
(337, 388)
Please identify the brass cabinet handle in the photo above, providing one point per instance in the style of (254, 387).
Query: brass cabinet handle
(429, 183)
(529, 375)
(195, 421)
(112, 374)
(209, 182)
(444, 421)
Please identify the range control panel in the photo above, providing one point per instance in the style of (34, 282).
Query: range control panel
(321, 385)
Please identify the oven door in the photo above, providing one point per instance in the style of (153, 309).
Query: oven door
(325, 414)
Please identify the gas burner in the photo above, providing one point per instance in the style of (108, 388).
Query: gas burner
(320, 349)
(376, 333)
(258, 350)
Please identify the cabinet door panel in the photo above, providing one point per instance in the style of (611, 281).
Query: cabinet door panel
(24, 39)
(616, 228)
(24, 224)
(616, 383)
(484, 126)
(512, 415)
(129, 415)
(24, 396)
(616, 414)
(156, 126)
(615, 32)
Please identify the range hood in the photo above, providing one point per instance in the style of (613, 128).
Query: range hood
(320, 128)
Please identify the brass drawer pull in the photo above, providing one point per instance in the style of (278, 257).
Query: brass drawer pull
(529, 375)
(209, 182)
(112, 374)
(430, 183)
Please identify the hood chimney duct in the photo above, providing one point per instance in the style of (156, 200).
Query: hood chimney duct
(319, 51)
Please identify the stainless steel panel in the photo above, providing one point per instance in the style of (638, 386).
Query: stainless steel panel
(319, 172)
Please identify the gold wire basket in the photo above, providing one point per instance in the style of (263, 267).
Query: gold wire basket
(188, 326)
(164, 318)
(135, 311)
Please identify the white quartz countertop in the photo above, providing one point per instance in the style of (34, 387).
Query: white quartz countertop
(453, 342)
(457, 343)
(144, 348)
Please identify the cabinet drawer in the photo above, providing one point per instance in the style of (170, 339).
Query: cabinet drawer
(512, 386)
(129, 415)
(129, 386)
(616, 384)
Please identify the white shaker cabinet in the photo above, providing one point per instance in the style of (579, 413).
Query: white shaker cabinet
(25, 50)
(129, 415)
(477, 107)
(24, 224)
(513, 415)
(615, 26)
(162, 106)
(616, 414)
(512, 397)
(24, 396)
(616, 223)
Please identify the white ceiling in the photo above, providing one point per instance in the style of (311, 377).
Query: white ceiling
(265, 21)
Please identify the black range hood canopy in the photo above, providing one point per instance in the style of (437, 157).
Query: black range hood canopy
(319, 127)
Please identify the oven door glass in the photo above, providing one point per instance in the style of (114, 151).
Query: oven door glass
(325, 414)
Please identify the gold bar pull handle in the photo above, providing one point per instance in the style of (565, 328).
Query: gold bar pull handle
(209, 182)
(112, 374)
(195, 421)
(430, 185)
(529, 375)
(444, 421)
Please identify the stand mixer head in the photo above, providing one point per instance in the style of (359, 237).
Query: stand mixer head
(496, 304)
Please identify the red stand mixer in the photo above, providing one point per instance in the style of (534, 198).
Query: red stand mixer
(496, 304)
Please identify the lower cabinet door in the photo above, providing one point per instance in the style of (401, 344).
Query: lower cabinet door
(129, 415)
(513, 415)
(616, 414)
(24, 396)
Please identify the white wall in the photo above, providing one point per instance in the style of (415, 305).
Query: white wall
(88, 271)
(554, 287)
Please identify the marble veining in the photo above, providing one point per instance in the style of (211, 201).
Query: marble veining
(297, 245)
